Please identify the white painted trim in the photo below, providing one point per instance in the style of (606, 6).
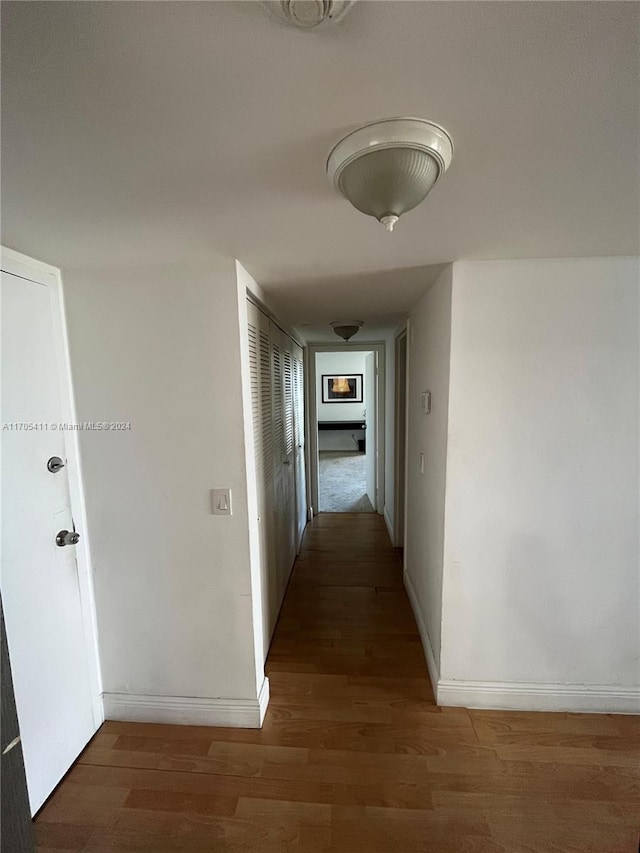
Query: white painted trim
(41, 273)
(522, 696)
(432, 666)
(79, 510)
(263, 700)
(251, 482)
(18, 264)
(310, 441)
(405, 520)
(389, 523)
(188, 710)
(398, 536)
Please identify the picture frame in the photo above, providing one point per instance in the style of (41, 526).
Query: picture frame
(344, 388)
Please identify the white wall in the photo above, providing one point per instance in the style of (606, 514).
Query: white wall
(541, 579)
(160, 347)
(428, 359)
(339, 364)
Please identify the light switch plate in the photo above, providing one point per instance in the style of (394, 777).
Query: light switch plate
(221, 501)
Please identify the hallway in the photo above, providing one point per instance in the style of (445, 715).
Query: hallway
(354, 755)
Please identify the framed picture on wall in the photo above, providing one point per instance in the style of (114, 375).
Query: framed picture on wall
(342, 389)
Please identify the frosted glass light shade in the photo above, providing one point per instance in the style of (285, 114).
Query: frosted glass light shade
(387, 168)
(388, 182)
(346, 329)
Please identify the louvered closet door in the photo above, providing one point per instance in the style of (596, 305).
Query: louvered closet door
(290, 451)
(276, 401)
(270, 594)
(260, 379)
(284, 484)
(298, 414)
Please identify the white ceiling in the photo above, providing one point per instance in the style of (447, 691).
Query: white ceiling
(150, 132)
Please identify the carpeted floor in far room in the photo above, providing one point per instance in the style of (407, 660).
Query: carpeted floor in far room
(343, 482)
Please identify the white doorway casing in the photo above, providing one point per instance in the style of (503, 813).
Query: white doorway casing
(299, 453)
(47, 590)
(378, 349)
(371, 440)
(400, 443)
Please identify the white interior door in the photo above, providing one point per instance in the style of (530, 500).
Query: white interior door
(371, 442)
(39, 579)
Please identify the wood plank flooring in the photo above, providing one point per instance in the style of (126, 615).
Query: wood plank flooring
(354, 754)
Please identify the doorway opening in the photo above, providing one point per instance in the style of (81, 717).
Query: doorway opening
(345, 413)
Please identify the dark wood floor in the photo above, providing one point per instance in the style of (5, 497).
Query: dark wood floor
(354, 755)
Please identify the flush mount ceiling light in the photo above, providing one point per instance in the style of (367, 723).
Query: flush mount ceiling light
(388, 167)
(346, 328)
(309, 14)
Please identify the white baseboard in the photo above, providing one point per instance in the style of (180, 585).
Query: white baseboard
(516, 696)
(188, 710)
(389, 523)
(432, 666)
(263, 701)
(520, 696)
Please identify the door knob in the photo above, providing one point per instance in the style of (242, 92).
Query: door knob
(67, 537)
(55, 464)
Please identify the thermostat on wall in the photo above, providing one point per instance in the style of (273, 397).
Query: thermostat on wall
(426, 402)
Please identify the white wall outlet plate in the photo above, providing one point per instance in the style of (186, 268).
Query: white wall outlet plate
(426, 402)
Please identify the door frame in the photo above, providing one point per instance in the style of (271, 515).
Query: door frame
(401, 421)
(300, 423)
(28, 268)
(378, 347)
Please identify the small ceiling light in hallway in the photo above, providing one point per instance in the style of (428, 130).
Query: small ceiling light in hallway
(387, 168)
(346, 328)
